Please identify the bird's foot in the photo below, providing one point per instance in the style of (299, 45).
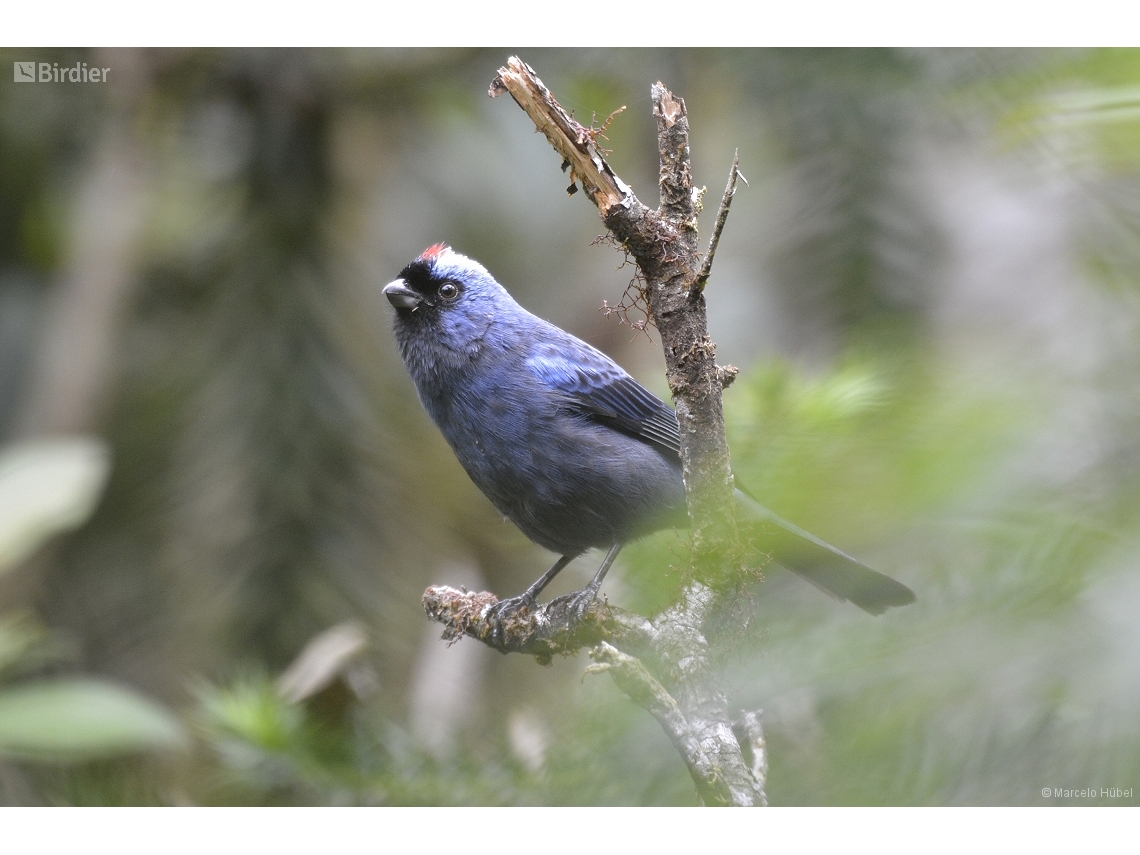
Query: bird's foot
(578, 603)
(500, 616)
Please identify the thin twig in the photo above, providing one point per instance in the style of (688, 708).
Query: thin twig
(721, 217)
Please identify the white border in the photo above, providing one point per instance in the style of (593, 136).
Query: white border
(567, 831)
(512, 23)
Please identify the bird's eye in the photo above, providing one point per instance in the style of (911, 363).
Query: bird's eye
(449, 290)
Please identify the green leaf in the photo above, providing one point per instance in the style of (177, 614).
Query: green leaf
(82, 719)
(47, 487)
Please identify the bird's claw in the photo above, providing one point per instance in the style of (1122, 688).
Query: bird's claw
(499, 614)
(577, 604)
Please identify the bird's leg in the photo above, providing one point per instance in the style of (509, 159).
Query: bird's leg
(531, 593)
(580, 600)
(527, 598)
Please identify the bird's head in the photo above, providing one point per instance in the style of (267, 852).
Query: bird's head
(445, 303)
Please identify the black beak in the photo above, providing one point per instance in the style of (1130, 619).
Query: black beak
(401, 296)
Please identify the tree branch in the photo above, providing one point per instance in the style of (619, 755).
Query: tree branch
(544, 631)
(725, 760)
(573, 141)
(643, 689)
(721, 218)
(683, 695)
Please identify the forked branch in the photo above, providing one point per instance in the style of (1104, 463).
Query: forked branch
(664, 665)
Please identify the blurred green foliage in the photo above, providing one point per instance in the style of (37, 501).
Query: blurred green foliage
(930, 284)
(78, 719)
(46, 488)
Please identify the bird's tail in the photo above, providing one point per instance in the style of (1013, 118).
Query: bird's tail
(830, 570)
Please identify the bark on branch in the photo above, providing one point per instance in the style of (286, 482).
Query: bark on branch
(544, 632)
(664, 665)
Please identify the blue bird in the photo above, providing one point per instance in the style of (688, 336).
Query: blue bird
(563, 441)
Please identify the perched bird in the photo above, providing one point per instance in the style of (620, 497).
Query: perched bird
(563, 441)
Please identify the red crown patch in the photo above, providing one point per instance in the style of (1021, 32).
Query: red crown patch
(433, 251)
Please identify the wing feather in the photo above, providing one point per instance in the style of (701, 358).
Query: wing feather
(601, 389)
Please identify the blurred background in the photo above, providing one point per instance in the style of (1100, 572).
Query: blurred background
(220, 500)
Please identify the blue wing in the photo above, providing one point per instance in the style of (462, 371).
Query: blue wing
(596, 385)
